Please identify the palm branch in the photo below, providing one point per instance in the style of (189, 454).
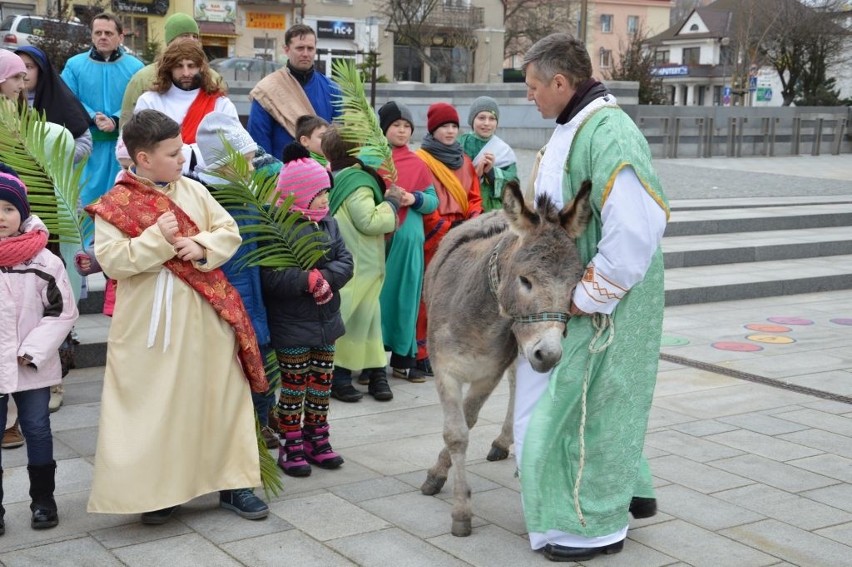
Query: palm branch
(359, 123)
(47, 169)
(253, 199)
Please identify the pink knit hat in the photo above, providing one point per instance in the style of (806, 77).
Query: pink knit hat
(304, 178)
(10, 65)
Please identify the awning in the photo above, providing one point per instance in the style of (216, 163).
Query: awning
(217, 29)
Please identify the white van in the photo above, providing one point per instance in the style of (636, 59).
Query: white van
(21, 30)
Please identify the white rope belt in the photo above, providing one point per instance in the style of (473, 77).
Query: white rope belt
(164, 287)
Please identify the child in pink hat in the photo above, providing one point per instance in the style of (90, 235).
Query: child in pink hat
(303, 311)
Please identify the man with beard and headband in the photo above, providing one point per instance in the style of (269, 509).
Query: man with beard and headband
(186, 91)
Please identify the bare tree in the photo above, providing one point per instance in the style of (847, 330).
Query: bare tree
(527, 21)
(635, 63)
(439, 32)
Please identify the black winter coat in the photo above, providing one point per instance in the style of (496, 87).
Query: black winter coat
(295, 319)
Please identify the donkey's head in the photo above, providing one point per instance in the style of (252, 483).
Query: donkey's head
(541, 270)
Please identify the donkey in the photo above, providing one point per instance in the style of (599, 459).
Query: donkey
(498, 284)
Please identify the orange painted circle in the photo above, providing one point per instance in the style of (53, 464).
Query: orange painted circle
(771, 339)
(764, 328)
(736, 346)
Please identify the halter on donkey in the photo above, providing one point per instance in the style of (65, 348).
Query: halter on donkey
(499, 284)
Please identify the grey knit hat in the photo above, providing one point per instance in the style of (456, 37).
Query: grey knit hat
(209, 138)
(392, 111)
(481, 104)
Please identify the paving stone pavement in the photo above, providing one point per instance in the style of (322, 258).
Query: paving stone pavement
(747, 473)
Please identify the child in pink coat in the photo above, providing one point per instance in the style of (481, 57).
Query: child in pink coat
(38, 313)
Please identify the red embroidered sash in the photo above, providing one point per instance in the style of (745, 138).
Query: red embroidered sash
(203, 105)
(132, 207)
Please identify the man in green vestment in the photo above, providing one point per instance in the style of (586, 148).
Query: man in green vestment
(580, 429)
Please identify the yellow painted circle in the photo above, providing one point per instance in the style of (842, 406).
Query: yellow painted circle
(771, 339)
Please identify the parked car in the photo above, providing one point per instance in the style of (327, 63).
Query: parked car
(21, 30)
(244, 68)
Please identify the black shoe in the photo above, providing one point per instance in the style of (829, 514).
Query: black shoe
(643, 507)
(425, 366)
(244, 502)
(346, 393)
(158, 517)
(2, 520)
(564, 553)
(379, 388)
(43, 518)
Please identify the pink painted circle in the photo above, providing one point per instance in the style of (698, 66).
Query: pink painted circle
(772, 339)
(790, 321)
(841, 321)
(736, 347)
(764, 328)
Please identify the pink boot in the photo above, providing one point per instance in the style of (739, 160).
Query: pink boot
(318, 451)
(291, 455)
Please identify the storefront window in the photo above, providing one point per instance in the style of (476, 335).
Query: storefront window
(135, 33)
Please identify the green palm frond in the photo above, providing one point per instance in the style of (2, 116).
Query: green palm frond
(252, 199)
(359, 123)
(45, 164)
(269, 477)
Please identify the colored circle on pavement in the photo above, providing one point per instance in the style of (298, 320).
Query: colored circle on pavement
(790, 321)
(771, 339)
(764, 328)
(736, 346)
(841, 321)
(668, 340)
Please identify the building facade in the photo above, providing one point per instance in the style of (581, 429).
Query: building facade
(700, 65)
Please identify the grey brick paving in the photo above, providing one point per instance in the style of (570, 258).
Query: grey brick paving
(746, 474)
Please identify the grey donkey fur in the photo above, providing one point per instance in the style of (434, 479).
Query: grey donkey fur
(472, 335)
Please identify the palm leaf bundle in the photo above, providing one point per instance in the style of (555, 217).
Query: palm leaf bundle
(359, 123)
(278, 231)
(45, 164)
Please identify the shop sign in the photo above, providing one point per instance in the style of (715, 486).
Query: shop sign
(216, 10)
(335, 29)
(152, 7)
(670, 71)
(266, 21)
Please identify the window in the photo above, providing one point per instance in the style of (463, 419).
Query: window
(264, 47)
(407, 65)
(606, 58)
(717, 95)
(135, 33)
(661, 57)
(606, 23)
(691, 55)
(693, 27)
(632, 25)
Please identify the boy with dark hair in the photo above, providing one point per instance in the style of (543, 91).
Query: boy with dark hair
(176, 416)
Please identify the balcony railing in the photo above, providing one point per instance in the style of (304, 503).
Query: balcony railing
(457, 17)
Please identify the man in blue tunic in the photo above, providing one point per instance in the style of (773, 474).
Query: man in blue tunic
(98, 78)
(281, 97)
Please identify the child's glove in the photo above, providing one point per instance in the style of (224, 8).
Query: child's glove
(319, 288)
(85, 262)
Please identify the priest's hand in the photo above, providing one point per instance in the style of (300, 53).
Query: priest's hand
(189, 250)
(104, 122)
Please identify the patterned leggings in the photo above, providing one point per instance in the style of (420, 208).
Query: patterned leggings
(305, 386)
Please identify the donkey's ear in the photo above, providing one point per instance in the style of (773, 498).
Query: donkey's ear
(521, 217)
(576, 214)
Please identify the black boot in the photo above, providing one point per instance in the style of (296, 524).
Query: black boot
(379, 387)
(42, 485)
(2, 509)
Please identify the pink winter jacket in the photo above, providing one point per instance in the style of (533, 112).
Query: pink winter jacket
(37, 311)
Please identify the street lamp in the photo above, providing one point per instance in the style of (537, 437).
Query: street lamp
(372, 57)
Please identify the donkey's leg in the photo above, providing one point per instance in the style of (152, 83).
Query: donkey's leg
(500, 446)
(450, 394)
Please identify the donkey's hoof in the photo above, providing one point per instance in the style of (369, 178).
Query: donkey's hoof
(497, 454)
(432, 485)
(461, 528)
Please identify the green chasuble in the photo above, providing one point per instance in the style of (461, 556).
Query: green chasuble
(621, 378)
(364, 219)
(492, 193)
